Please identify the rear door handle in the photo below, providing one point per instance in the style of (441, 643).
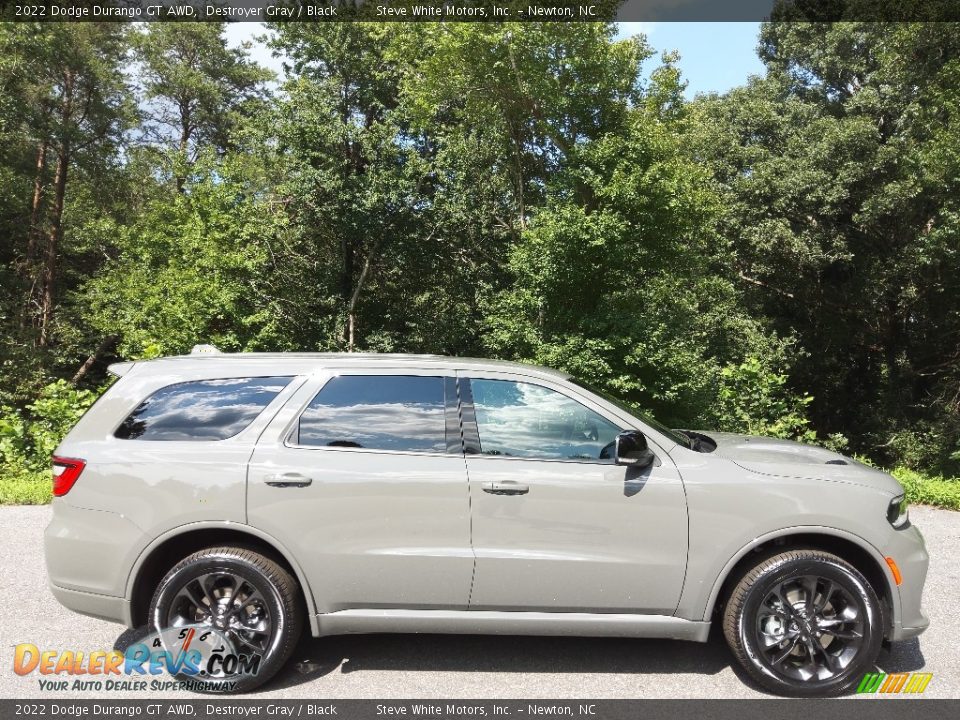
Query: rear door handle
(507, 487)
(290, 479)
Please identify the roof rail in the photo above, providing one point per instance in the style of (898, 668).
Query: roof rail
(205, 350)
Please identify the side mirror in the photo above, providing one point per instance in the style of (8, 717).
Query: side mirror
(631, 449)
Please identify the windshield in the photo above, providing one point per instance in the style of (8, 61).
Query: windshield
(677, 437)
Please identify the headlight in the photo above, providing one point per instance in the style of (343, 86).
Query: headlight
(897, 512)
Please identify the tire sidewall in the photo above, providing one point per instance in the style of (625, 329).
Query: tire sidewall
(192, 568)
(862, 593)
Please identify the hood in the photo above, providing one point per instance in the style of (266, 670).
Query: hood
(786, 458)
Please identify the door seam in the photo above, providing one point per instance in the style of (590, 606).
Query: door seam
(466, 470)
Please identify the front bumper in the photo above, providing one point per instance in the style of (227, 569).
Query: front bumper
(908, 549)
(905, 633)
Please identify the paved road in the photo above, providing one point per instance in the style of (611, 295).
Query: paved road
(454, 666)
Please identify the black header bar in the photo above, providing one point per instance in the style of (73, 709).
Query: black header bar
(477, 10)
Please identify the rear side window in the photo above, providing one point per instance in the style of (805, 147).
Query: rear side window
(201, 410)
(380, 412)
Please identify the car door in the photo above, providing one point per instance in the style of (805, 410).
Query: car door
(362, 477)
(557, 526)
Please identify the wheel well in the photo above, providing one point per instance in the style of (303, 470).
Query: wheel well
(163, 557)
(841, 547)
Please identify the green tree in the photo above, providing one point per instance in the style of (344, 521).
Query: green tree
(625, 293)
(196, 90)
(355, 180)
(573, 169)
(200, 267)
(66, 106)
(839, 170)
(517, 102)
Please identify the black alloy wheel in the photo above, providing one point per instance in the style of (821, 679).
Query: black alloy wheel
(247, 599)
(804, 623)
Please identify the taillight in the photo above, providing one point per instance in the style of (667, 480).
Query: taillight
(65, 474)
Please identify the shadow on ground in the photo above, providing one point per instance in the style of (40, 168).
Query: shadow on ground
(316, 657)
(903, 656)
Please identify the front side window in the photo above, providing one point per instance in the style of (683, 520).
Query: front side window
(633, 409)
(518, 419)
(379, 412)
(201, 410)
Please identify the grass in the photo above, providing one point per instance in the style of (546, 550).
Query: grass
(929, 489)
(24, 487)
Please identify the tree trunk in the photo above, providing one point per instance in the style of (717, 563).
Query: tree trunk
(33, 235)
(53, 243)
(108, 342)
(38, 184)
(55, 236)
(346, 279)
(184, 145)
(355, 296)
(518, 174)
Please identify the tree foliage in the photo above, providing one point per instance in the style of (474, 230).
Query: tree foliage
(781, 259)
(840, 172)
(195, 91)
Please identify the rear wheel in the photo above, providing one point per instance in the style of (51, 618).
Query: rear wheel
(248, 605)
(804, 623)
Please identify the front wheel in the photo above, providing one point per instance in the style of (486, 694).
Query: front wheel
(238, 611)
(804, 623)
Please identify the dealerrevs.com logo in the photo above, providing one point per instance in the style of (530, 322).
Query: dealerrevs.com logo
(196, 658)
(914, 683)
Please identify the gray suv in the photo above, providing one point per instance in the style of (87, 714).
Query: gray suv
(255, 494)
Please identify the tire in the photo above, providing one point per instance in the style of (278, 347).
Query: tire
(246, 599)
(774, 630)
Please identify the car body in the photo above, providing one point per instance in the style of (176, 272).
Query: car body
(415, 493)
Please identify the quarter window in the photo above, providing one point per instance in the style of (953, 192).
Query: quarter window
(519, 419)
(380, 412)
(201, 410)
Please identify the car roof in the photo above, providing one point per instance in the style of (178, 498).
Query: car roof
(211, 363)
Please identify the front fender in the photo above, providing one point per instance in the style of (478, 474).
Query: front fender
(891, 588)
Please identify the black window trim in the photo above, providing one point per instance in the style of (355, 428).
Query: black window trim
(471, 431)
(453, 423)
(451, 413)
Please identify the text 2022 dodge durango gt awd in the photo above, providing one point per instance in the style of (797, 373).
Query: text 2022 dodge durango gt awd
(251, 495)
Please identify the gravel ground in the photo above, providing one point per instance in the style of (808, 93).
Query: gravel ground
(456, 666)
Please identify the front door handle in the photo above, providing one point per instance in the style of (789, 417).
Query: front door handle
(507, 487)
(290, 479)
